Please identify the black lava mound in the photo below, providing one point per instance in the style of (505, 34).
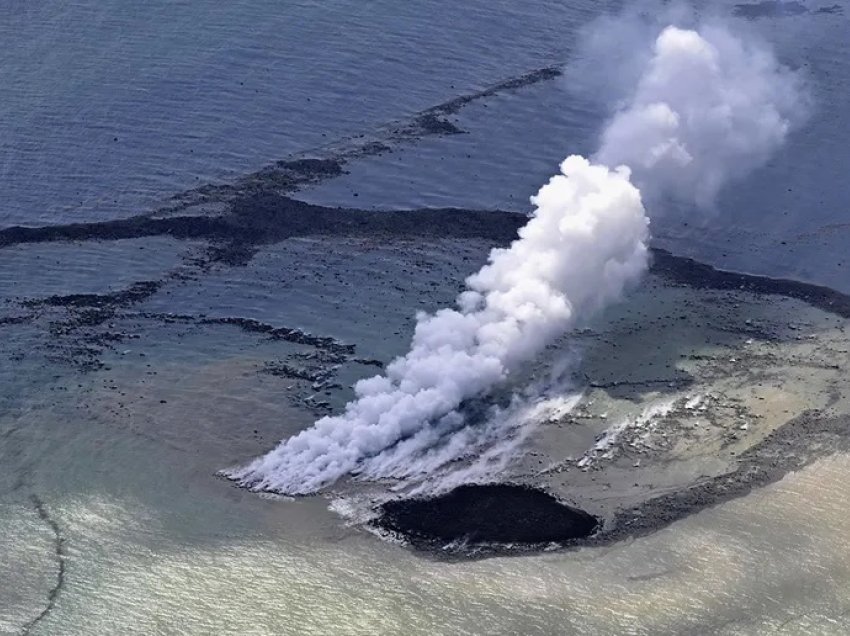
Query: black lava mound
(487, 514)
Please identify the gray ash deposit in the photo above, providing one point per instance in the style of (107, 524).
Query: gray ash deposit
(483, 515)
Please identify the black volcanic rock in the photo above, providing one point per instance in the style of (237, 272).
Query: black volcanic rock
(486, 514)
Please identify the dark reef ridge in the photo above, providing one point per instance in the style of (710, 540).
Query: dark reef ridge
(486, 514)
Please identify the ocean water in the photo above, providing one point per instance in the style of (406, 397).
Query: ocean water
(109, 108)
(111, 517)
(786, 219)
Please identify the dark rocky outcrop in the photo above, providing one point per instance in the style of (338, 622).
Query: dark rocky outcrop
(486, 514)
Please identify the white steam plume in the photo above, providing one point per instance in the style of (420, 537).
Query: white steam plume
(706, 108)
(585, 243)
